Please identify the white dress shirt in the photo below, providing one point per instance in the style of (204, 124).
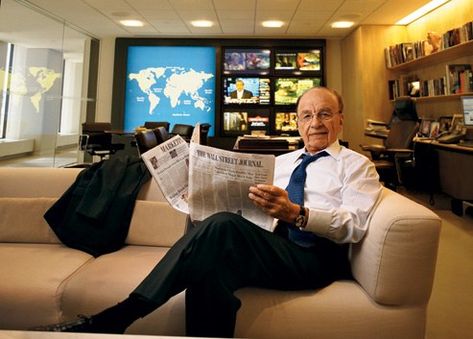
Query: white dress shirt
(340, 191)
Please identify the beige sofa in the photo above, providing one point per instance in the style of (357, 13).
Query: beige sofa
(45, 282)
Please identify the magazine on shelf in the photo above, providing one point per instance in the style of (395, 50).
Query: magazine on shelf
(201, 180)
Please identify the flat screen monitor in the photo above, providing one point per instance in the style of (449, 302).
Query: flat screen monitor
(467, 107)
(287, 90)
(170, 83)
(249, 90)
(247, 60)
(298, 60)
(251, 121)
(285, 123)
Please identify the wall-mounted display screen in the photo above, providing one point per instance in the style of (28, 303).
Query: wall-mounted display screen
(298, 61)
(254, 90)
(255, 122)
(287, 90)
(170, 83)
(285, 122)
(248, 60)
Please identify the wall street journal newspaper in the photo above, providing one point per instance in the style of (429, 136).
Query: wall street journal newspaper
(202, 180)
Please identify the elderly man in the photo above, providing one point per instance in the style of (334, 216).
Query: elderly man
(322, 196)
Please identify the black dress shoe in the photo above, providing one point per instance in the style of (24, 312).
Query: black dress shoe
(82, 324)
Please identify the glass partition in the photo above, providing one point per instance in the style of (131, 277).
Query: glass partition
(41, 87)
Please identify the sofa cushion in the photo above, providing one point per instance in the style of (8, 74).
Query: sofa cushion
(33, 278)
(22, 220)
(340, 310)
(36, 181)
(155, 223)
(110, 278)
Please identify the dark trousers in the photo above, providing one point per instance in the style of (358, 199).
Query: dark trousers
(226, 252)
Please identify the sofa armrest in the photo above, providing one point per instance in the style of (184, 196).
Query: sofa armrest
(395, 262)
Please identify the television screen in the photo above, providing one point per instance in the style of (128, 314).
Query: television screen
(287, 90)
(285, 60)
(285, 122)
(308, 61)
(249, 60)
(253, 90)
(170, 83)
(246, 122)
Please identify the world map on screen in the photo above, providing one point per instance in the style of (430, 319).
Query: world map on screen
(179, 82)
(169, 83)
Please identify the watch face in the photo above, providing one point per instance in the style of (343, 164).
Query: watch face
(300, 220)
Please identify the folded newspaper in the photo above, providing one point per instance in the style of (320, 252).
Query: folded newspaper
(201, 180)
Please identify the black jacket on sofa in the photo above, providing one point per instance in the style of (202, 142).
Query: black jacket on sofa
(94, 214)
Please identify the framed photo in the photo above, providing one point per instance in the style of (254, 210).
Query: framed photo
(424, 129)
(457, 124)
(445, 123)
(434, 129)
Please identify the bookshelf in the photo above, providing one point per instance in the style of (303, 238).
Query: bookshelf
(442, 56)
(430, 68)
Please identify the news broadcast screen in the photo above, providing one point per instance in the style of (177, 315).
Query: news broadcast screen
(249, 60)
(252, 121)
(287, 90)
(253, 90)
(285, 122)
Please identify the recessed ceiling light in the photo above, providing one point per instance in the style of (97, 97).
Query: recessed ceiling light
(272, 23)
(202, 23)
(428, 7)
(132, 23)
(342, 24)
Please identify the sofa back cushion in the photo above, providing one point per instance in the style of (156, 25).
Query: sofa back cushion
(155, 223)
(22, 220)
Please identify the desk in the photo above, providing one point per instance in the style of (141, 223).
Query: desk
(454, 165)
(267, 145)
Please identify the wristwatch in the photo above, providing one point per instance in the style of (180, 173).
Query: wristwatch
(301, 219)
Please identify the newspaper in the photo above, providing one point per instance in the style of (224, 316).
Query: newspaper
(202, 180)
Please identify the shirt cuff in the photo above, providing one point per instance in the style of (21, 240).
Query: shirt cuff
(318, 222)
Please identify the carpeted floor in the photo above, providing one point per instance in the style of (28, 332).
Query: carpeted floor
(450, 312)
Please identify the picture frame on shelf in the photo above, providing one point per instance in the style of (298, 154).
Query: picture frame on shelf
(445, 122)
(434, 129)
(424, 128)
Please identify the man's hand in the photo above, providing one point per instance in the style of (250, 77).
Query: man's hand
(274, 201)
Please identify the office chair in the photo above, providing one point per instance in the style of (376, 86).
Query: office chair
(204, 131)
(95, 140)
(396, 153)
(185, 131)
(146, 140)
(156, 124)
(161, 134)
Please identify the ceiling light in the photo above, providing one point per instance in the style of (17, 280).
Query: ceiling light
(421, 12)
(272, 23)
(342, 24)
(132, 23)
(202, 23)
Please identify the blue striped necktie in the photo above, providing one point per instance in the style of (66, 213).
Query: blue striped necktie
(295, 190)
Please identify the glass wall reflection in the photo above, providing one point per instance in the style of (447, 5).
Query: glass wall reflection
(42, 96)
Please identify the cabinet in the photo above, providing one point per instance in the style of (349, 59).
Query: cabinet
(431, 67)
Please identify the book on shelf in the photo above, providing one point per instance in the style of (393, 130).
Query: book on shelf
(459, 78)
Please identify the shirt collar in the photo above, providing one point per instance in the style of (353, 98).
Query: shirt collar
(333, 150)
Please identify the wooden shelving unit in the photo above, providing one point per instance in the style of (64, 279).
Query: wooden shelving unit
(441, 56)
